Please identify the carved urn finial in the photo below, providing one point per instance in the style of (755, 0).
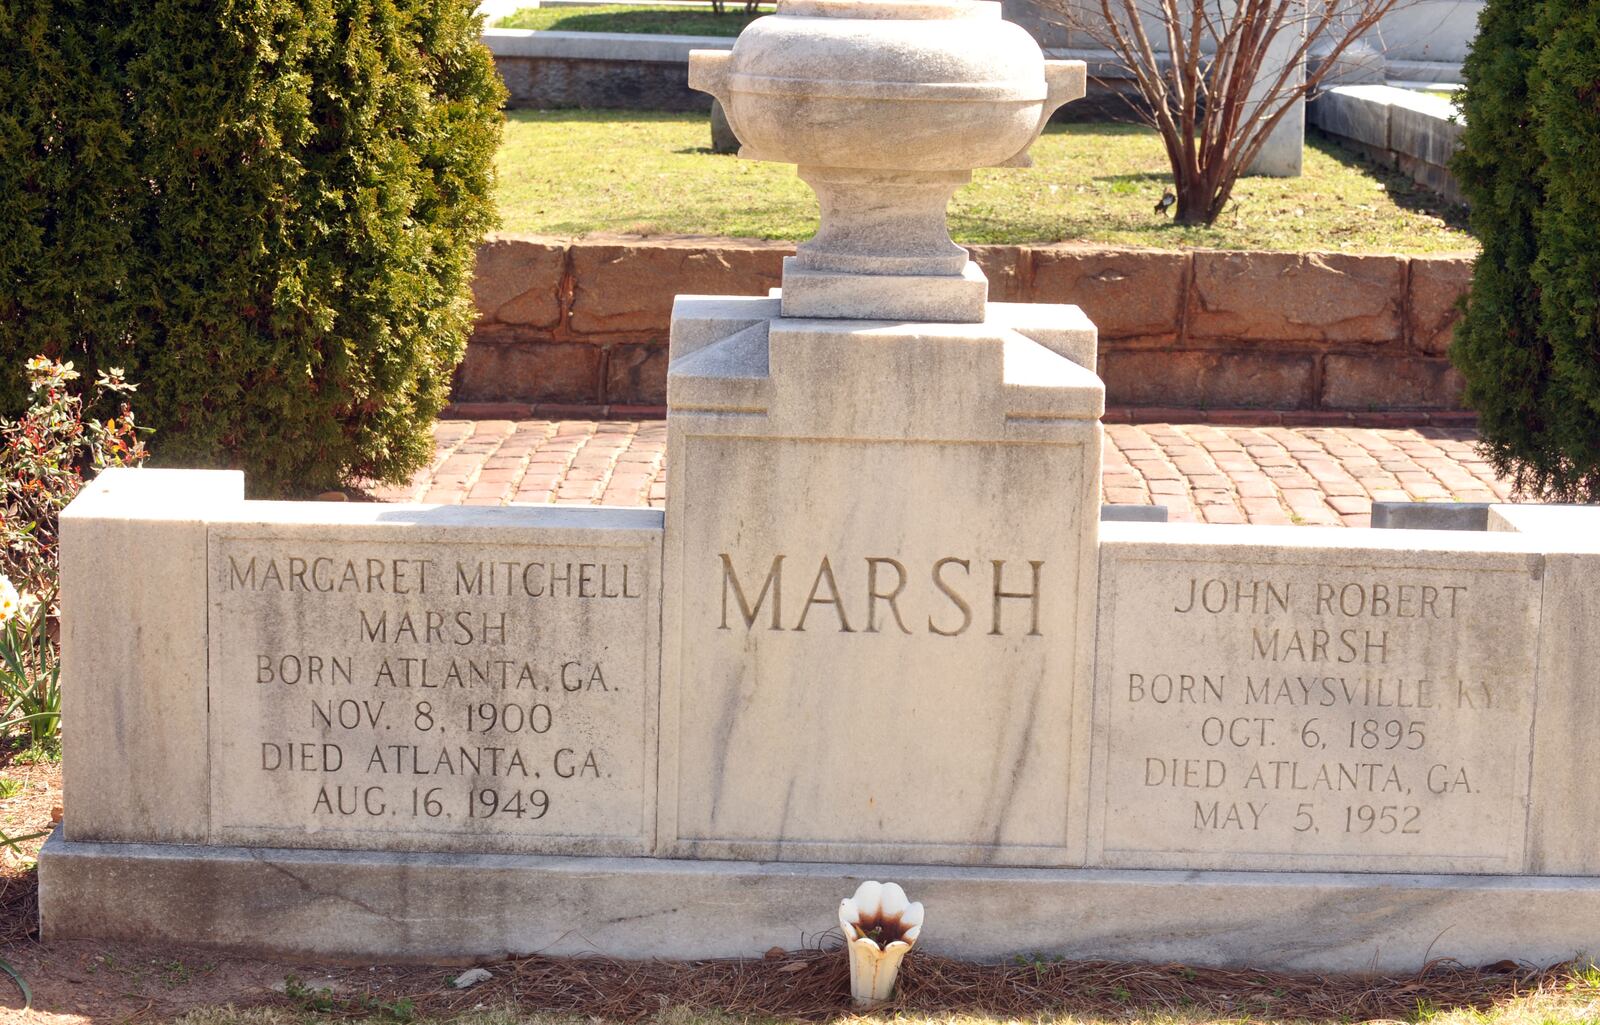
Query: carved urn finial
(886, 106)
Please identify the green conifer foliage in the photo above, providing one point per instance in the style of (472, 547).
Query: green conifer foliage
(285, 205)
(1498, 344)
(66, 180)
(1565, 93)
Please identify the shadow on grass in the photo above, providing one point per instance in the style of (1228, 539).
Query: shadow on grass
(666, 21)
(1137, 177)
(598, 115)
(1406, 193)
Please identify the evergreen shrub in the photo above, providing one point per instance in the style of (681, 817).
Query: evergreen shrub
(1527, 344)
(1565, 91)
(265, 211)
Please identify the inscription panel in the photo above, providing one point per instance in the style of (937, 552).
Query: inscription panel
(878, 646)
(1364, 711)
(449, 696)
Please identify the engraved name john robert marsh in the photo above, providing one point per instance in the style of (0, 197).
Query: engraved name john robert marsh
(1316, 711)
(431, 691)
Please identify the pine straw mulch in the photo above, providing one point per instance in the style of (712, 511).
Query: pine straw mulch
(813, 985)
(80, 981)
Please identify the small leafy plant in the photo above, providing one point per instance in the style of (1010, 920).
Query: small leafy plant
(46, 455)
(321, 1000)
(30, 669)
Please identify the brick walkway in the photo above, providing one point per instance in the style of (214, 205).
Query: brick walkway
(1214, 474)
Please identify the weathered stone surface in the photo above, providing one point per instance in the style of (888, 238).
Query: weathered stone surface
(1387, 382)
(1357, 112)
(891, 631)
(1320, 699)
(432, 907)
(1416, 131)
(702, 320)
(517, 281)
(792, 596)
(1312, 297)
(133, 572)
(936, 298)
(433, 679)
(1005, 267)
(1134, 297)
(536, 371)
(722, 138)
(636, 374)
(1424, 126)
(1061, 329)
(1430, 515)
(1283, 60)
(630, 286)
(1563, 822)
(1436, 177)
(549, 69)
(1206, 378)
(1437, 286)
(1128, 293)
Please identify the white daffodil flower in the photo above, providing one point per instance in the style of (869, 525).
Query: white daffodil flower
(880, 926)
(10, 601)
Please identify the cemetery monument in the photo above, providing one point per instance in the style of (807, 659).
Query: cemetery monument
(879, 633)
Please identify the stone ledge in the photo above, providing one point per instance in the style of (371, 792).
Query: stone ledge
(1413, 131)
(607, 46)
(430, 907)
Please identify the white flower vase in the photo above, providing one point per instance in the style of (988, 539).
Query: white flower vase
(880, 926)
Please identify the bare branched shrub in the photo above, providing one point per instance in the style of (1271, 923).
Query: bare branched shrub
(1214, 77)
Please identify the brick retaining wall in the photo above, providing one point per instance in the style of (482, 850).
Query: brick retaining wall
(586, 322)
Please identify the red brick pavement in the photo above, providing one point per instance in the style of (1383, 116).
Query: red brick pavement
(1200, 472)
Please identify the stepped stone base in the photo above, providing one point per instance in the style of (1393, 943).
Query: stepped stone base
(458, 906)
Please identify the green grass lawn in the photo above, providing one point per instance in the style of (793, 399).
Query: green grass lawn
(576, 172)
(655, 21)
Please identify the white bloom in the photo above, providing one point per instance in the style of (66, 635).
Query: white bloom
(880, 925)
(880, 914)
(10, 601)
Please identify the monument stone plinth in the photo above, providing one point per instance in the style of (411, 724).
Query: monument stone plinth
(885, 491)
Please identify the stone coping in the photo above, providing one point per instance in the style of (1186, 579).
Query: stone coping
(638, 46)
(609, 46)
